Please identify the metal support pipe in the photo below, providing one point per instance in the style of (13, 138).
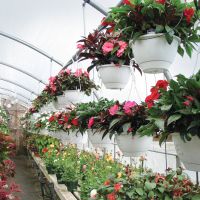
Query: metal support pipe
(19, 85)
(6, 89)
(167, 75)
(11, 37)
(97, 7)
(75, 56)
(22, 71)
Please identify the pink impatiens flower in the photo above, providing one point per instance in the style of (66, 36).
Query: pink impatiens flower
(78, 72)
(80, 46)
(107, 47)
(113, 110)
(91, 122)
(123, 45)
(68, 71)
(128, 105)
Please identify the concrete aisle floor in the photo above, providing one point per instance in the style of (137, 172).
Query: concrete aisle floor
(27, 179)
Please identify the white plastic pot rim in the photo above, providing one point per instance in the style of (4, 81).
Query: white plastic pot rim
(111, 65)
(152, 36)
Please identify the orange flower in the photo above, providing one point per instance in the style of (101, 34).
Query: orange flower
(107, 183)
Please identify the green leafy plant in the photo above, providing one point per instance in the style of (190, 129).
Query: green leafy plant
(176, 109)
(171, 17)
(148, 185)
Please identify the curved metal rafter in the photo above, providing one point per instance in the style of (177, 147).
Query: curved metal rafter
(9, 90)
(22, 71)
(19, 85)
(16, 39)
(8, 95)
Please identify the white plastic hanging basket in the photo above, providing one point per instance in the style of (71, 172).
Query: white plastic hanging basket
(95, 137)
(134, 146)
(50, 107)
(78, 139)
(43, 132)
(69, 97)
(153, 53)
(61, 135)
(188, 151)
(114, 77)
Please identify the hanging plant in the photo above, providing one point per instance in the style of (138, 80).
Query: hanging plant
(173, 18)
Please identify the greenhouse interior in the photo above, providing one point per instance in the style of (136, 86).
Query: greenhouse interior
(100, 99)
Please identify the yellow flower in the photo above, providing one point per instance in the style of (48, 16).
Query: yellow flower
(52, 145)
(119, 175)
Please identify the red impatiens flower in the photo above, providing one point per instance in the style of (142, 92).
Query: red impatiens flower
(75, 122)
(117, 187)
(186, 103)
(66, 119)
(113, 110)
(51, 119)
(104, 22)
(190, 98)
(127, 2)
(159, 178)
(111, 196)
(130, 130)
(152, 97)
(91, 122)
(60, 122)
(162, 84)
(161, 1)
(177, 193)
(44, 150)
(188, 13)
(107, 183)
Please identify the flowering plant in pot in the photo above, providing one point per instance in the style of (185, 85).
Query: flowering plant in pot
(111, 56)
(89, 119)
(40, 123)
(149, 185)
(166, 24)
(124, 120)
(176, 111)
(70, 87)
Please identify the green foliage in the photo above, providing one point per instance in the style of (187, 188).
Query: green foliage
(178, 109)
(149, 185)
(169, 18)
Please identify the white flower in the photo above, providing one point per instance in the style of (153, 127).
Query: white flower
(5, 186)
(93, 194)
(10, 196)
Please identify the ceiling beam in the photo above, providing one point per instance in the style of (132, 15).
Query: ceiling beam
(22, 71)
(19, 85)
(16, 39)
(9, 90)
(8, 95)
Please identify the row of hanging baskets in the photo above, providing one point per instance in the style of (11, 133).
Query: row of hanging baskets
(170, 108)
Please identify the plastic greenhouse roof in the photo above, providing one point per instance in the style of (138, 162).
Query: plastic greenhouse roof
(55, 27)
